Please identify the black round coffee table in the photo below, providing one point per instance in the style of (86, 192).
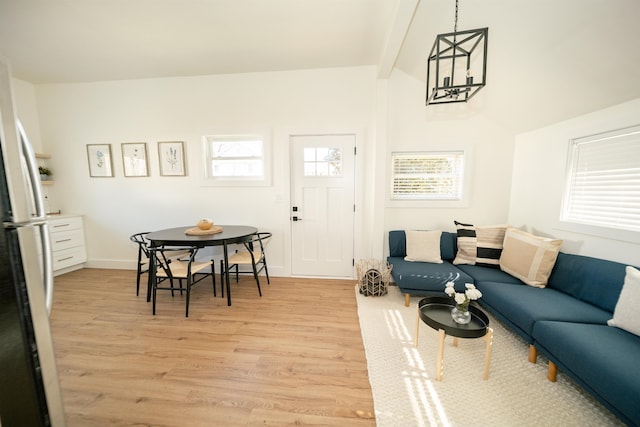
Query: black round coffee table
(436, 313)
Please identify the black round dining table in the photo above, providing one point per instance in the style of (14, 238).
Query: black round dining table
(230, 234)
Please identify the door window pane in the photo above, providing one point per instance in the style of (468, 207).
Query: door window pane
(322, 161)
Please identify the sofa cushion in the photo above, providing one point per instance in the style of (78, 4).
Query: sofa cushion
(479, 245)
(602, 359)
(529, 258)
(524, 305)
(486, 274)
(626, 315)
(596, 281)
(416, 277)
(423, 246)
(398, 244)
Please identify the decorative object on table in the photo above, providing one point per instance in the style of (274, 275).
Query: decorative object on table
(460, 313)
(171, 155)
(209, 228)
(134, 159)
(204, 224)
(45, 173)
(457, 65)
(99, 156)
(373, 276)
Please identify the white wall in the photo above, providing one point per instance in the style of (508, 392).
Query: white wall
(387, 115)
(539, 174)
(24, 94)
(184, 109)
(414, 127)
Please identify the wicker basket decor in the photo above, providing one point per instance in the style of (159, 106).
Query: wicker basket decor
(373, 276)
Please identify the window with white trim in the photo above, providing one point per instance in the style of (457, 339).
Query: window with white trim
(427, 175)
(603, 181)
(237, 158)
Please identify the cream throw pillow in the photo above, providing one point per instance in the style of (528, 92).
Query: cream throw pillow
(423, 246)
(625, 315)
(529, 258)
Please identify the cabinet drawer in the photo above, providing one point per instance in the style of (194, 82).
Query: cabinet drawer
(65, 224)
(68, 257)
(66, 239)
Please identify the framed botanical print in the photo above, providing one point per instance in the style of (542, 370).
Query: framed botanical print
(99, 156)
(134, 159)
(171, 154)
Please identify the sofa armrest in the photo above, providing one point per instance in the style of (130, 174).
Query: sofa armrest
(397, 243)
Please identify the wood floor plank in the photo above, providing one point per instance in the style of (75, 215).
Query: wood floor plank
(292, 357)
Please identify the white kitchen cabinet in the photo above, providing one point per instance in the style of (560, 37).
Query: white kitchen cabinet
(67, 243)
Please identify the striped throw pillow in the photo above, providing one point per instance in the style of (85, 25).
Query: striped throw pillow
(479, 245)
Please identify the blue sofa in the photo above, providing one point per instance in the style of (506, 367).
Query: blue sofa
(566, 321)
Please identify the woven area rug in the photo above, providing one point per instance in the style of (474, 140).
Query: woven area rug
(406, 393)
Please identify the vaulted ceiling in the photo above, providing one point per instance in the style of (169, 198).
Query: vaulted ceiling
(548, 60)
(91, 40)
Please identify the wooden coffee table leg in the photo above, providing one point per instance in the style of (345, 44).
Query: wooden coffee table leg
(487, 358)
(440, 361)
(415, 341)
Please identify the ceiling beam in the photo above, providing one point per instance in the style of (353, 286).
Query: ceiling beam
(405, 10)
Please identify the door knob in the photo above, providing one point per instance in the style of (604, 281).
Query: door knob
(295, 218)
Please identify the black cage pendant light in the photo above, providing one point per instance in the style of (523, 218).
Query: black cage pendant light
(457, 66)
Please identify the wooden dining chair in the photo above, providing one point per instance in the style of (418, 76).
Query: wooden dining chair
(178, 265)
(143, 256)
(252, 255)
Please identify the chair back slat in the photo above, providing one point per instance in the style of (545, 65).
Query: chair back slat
(143, 256)
(141, 240)
(179, 263)
(252, 256)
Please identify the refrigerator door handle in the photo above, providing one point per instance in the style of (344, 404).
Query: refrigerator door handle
(32, 173)
(47, 264)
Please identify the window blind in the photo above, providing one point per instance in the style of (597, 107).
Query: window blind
(427, 175)
(604, 181)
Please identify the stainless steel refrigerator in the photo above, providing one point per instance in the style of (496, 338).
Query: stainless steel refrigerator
(29, 390)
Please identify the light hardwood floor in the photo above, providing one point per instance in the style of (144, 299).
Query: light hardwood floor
(293, 357)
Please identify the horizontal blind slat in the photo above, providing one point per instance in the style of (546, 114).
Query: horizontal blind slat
(427, 175)
(604, 185)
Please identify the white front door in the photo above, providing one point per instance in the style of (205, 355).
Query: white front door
(322, 208)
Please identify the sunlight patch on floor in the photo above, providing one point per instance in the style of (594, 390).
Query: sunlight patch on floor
(423, 397)
(396, 326)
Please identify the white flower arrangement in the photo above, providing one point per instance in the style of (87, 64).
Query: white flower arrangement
(463, 298)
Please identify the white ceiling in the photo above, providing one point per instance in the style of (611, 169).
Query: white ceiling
(548, 60)
(91, 40)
